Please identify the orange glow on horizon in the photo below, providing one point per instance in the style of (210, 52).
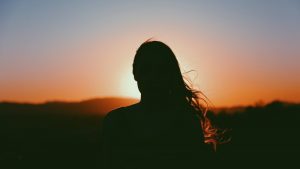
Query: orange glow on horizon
(103, 67)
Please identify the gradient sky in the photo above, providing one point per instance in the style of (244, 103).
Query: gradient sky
(241, 51)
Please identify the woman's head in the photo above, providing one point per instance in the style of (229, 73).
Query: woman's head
(156, 69)
(157, 72)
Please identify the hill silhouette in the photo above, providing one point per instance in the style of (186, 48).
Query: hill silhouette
(68, 134)
(261, 136)
(53, 134)
(92, 106)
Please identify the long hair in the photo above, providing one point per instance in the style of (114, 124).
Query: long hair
(164, 66)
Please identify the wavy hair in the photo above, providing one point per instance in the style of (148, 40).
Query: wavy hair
(159, 54)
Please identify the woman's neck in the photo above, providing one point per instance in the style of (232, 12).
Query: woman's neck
(158, 100)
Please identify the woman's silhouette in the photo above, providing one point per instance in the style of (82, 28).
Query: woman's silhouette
(168, 128)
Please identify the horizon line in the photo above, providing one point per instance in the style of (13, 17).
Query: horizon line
(255, 103)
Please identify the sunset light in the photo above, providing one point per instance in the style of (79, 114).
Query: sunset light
(217, 84)
(240, 52)
(128, 86)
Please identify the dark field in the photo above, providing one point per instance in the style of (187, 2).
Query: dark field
(68, 135)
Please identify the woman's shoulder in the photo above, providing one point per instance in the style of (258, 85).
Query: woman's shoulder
(120, 113)
(115, 121)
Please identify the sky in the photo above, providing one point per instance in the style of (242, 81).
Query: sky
(241, 51)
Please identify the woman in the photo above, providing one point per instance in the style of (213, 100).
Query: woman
(168, 128)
